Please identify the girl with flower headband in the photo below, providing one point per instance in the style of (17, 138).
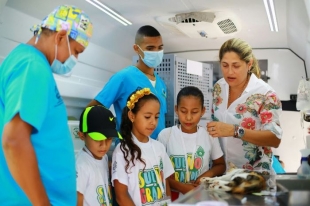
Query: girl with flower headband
(140, 165)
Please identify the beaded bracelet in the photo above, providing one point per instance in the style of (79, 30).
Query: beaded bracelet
(236, 130)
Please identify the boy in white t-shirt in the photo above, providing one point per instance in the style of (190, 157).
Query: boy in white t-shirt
(189, 146)
(97, 129)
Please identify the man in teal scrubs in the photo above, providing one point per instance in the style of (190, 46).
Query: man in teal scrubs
(37, 164)
(149, 46)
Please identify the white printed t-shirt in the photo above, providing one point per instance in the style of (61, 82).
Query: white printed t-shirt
(92, 179)
(204, 146)
(142, 185)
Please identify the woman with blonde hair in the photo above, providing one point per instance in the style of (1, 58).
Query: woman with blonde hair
(245, 110)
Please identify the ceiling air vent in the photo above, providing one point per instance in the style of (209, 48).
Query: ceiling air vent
(204, 24)
(227, 26)
(190, 20)
(193, 17)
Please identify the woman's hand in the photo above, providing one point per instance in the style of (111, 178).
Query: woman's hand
(220, 129)
(264, 138)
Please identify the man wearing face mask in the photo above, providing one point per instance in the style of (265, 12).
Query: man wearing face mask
(149, 46)
(37, 165)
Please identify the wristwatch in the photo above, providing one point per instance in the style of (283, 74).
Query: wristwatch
(239, 132)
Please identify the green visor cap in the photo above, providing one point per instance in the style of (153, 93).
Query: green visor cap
(98, 136)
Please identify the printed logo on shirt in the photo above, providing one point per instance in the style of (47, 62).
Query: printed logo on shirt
(101, 196)
(150, 191)
(58, 97)
(114, 167)
(164, 93)
(179, 165)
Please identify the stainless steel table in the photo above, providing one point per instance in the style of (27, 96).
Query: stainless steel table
(281, 197)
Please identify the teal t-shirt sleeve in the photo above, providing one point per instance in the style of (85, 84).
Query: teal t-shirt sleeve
(111, 91)
(276, 165)
(26, 91)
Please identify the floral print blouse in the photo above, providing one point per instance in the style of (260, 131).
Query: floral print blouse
(258, 108)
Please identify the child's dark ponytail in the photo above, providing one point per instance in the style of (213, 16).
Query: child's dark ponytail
(127, 144)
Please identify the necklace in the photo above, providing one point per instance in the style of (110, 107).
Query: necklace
(192, 159)
(152, 75)
(145, 73)
(229, 96)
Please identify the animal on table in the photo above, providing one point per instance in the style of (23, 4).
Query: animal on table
(237, 181)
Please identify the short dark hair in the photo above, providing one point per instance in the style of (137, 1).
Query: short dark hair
(45, 31)
(146, 31)
(190, 91)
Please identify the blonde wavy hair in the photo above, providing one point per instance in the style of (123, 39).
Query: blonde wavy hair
(244, 51)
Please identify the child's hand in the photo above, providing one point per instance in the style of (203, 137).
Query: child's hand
(188, 187)
(194, 183)
(197, 181)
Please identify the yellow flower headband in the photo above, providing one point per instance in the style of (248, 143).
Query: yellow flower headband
(136, 96)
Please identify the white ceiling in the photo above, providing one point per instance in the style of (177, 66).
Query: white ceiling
(110, 34)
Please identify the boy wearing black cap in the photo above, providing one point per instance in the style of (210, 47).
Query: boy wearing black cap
(97, 129)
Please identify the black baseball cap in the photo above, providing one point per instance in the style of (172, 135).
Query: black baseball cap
(99, 123)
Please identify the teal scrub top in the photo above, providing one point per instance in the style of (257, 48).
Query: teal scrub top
(27, 87)
(126, 81)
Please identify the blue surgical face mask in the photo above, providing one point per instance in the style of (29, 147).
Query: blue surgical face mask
(152, 58)
(66, 67)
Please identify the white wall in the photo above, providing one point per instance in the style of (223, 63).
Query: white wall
(297, 26)
(95, 66)
(307, 58)
(285, 70)
(293, 140)
(2, 5)
(298, 32)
